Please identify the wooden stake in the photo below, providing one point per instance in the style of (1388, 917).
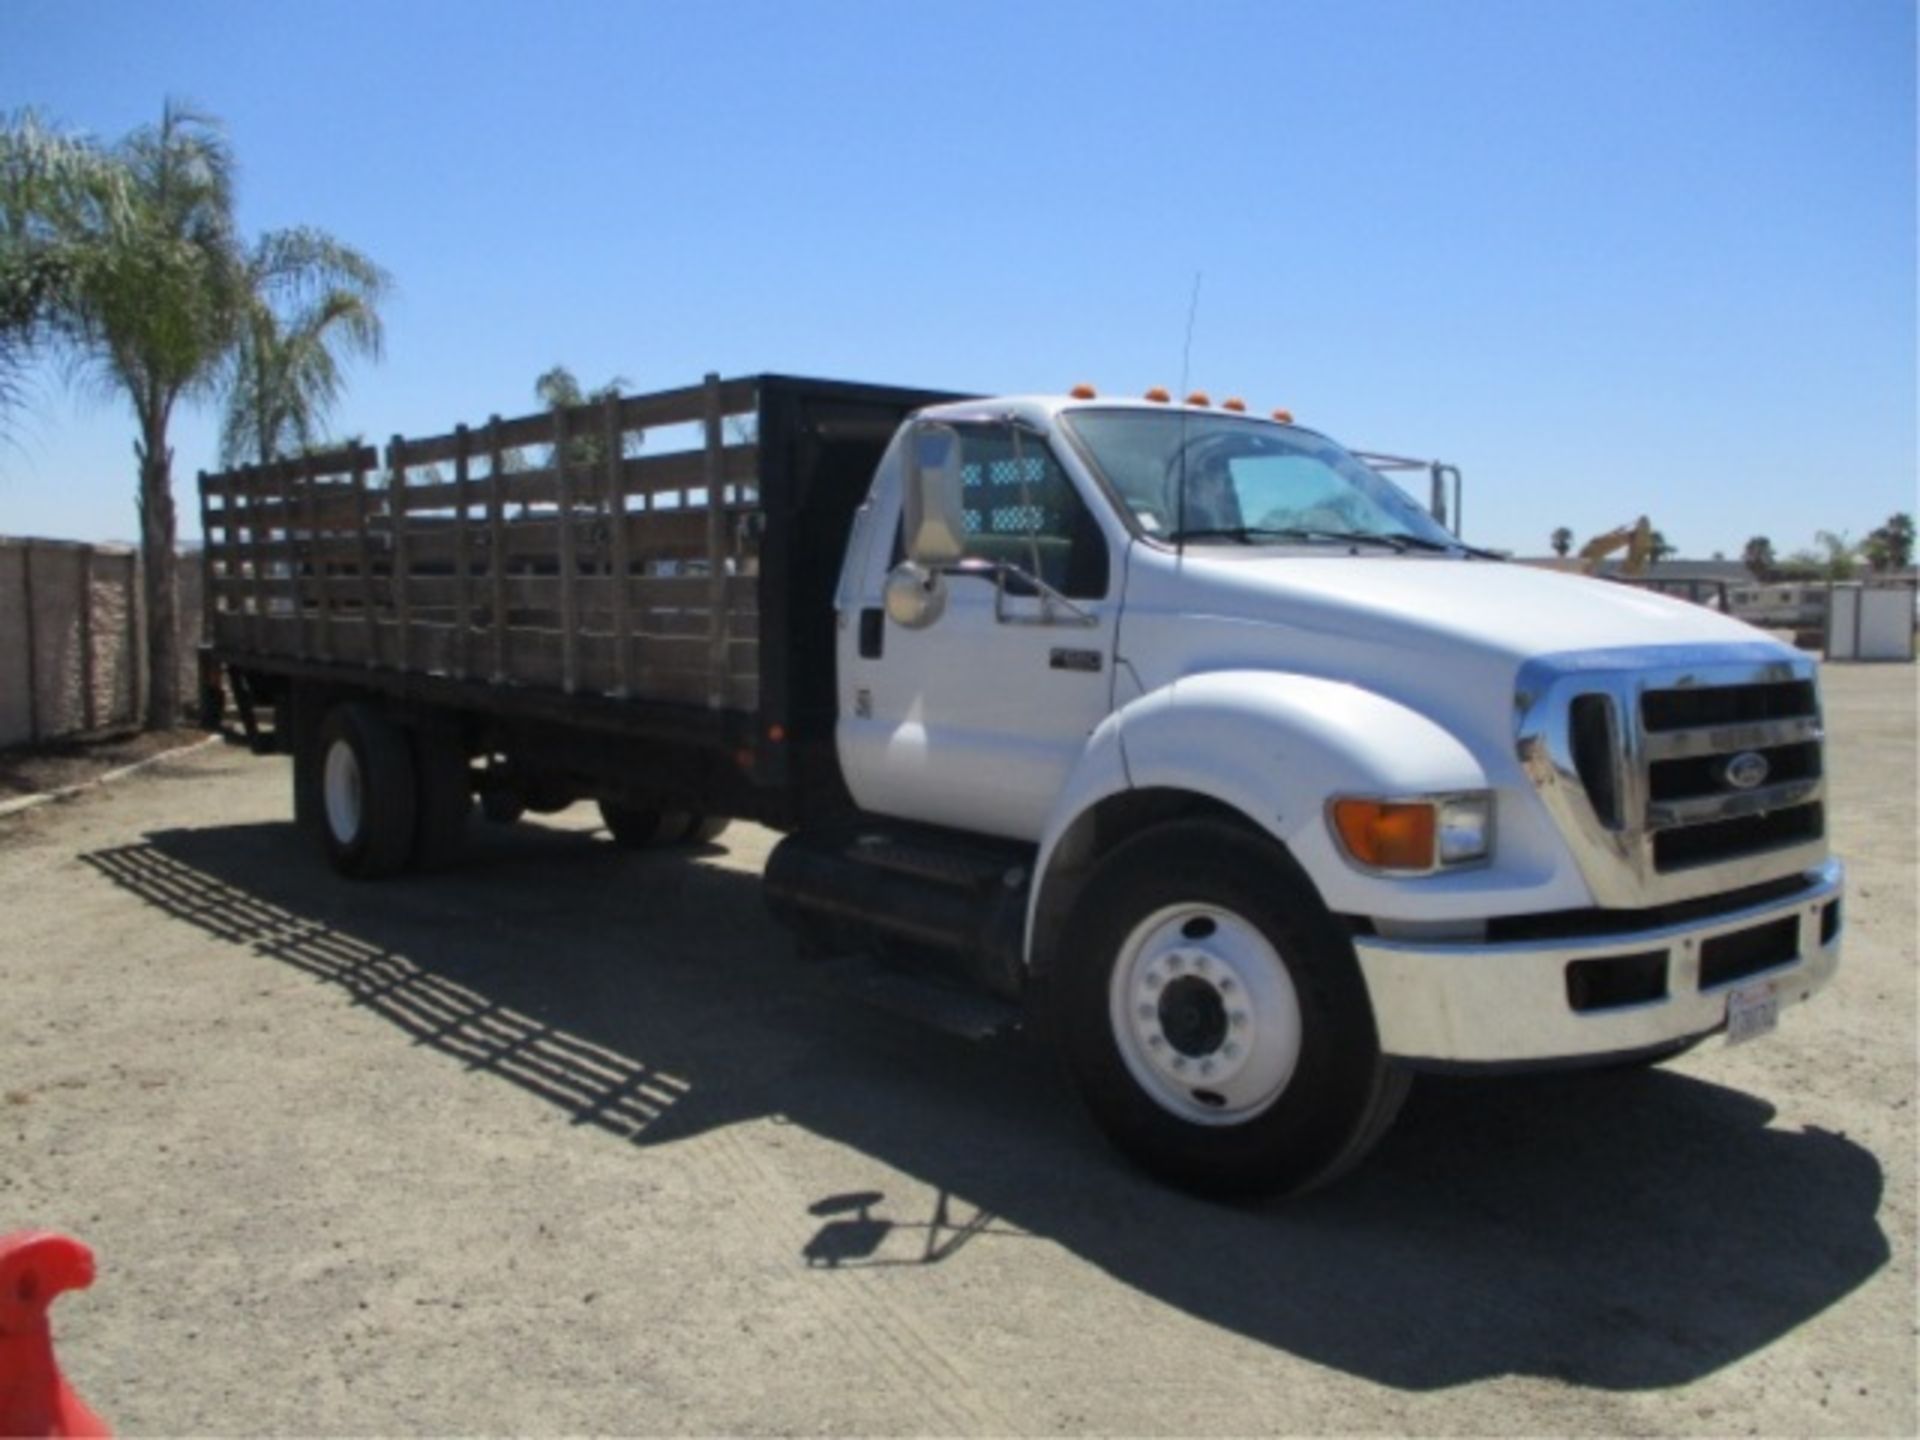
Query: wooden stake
(462, 563)
(497, 532)
(361, 505)
(616, 492)
(397, 515)
(569, 579)
(717, 626)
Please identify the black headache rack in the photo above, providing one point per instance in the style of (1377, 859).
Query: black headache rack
(655, 567)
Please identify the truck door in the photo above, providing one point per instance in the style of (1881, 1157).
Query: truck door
(976, 720)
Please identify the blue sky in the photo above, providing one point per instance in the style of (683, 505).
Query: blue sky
(1608, 258)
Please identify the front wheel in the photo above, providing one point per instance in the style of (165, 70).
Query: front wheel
(1214, 1018)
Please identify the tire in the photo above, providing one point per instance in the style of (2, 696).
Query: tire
(443, 799)
(1214, 1019)
(364, 772)
(640, 827)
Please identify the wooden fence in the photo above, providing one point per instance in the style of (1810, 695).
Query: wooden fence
(607, 548)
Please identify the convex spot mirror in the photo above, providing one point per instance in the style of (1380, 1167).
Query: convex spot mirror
(915, 595)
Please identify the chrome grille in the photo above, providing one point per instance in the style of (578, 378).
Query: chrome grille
(1678, 773)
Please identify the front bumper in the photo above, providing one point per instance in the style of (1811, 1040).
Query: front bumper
(1521, 1003)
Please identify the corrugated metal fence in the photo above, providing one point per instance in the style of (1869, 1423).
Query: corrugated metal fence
(72, 648)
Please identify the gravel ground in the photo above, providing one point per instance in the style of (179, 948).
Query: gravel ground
(30, 769)
(563, 1141)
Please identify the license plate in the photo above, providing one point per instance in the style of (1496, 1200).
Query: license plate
(1751, 1010)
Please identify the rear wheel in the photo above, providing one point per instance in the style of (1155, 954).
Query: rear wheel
(367, 806)
(1214, 1017)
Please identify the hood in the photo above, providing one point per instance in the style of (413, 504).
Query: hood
(1444, 636)
(1483, 605)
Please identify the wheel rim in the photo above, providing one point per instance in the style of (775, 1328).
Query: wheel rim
(1205, 1014)
(341, 783)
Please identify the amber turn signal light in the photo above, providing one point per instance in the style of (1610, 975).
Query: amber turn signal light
(1386, 834)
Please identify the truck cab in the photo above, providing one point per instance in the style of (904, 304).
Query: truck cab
(1297, 793)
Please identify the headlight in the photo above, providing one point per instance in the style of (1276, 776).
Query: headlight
(1466, 828)
(1418, 836)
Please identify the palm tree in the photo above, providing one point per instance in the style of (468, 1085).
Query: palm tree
(1758, 558)
(311, 300)
(1562, 541)
(160, 289)
(559, 389)
(159, 292)
(43, 174)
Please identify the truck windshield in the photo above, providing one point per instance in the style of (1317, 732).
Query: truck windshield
(1247, 481)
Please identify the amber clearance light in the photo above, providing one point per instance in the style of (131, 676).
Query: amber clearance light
(1387, 834)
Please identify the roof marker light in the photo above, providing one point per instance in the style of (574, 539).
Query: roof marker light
(1158, 394)
(1235, 404)
(1199, 397)
(1084, 392)
(1285, 417)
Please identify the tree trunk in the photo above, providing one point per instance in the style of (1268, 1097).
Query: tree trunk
(158, 549)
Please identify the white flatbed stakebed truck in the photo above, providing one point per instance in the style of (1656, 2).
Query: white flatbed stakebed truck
(1179, 726)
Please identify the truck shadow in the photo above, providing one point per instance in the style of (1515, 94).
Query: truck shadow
(1624, 1232)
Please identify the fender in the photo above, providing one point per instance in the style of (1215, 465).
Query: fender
(1275, 747)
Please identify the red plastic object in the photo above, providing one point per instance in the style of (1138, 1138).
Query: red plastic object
(35, 1399)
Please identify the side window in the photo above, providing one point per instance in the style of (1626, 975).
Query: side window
(1018, 501)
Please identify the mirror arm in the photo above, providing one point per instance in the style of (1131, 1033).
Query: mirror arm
(1052, 602)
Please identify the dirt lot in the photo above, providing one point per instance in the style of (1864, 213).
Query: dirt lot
(565, 1141)
(32, 769)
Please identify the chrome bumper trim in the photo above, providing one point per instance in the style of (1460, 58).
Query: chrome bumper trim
(1503, 1003)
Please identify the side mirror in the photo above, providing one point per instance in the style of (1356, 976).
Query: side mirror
(915, 596)
(936, 530)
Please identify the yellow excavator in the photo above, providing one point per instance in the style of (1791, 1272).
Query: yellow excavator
(1636, 539)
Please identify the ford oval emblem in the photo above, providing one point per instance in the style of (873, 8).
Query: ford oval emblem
(1746, 770)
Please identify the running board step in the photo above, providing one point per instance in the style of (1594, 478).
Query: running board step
(968, 1014)
(963, 868)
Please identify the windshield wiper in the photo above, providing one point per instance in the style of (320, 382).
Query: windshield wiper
(1398, 543)
(1254, 534)
(1420, 542)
